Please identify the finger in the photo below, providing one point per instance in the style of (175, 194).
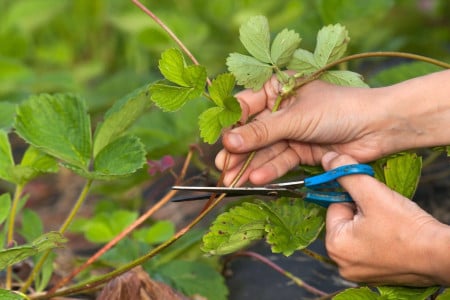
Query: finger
(275, 167)
(339, 214)
(360, 187)
(253, 102)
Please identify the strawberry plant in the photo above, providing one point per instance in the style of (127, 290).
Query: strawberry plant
(59, 133)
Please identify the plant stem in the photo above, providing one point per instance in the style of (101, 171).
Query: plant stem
(62, 229)
(169, 32)
(105, 278)
(126, 231)
(279, 269)
(10, 237)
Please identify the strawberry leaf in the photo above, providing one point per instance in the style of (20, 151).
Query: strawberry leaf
(209, 124)
(221, 88)
(235, 229)
(283, 47)
(120, 117)
(255, 36)
(182, 83)
(332, 43)
(303, 62)
(249, 72)
(57, 125)
(292, 224)
(402, 173)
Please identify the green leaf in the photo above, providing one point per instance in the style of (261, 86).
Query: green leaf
(104, 226)
(182, 83)
(32, 226)
(45, 242)
(7, 112)
(332, 43)
(6, 158)
(445, 295)
(344, 78)
(58, 125)
(406, 293)
(283, 47)
(5, 206)
(213, 120)
(172, 66)
(249, 72)
(363, 293)
(293, 224)
(255, 36)
(34, 163)
(402, 173)
(11, 295)
(121, 116)
(194, 278)
(303, 62)
(157, 233)
(235, 229)
(221, 88)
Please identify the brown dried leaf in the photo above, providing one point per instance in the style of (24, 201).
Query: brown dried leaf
(137, 284)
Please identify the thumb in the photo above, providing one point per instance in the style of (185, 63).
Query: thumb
(256, 134)
(361, 188)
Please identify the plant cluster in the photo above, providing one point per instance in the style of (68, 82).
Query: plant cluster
(58, 132)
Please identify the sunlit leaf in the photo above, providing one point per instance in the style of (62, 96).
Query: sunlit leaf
(194, 278)
(331, 44)
(182, 82)
(303, 62)
(45, 242)
(5, 206)
(406, 293)
(344, 78)
(363, 293)
(249, 72)
(209, 124)
(221, 88)
(402, 173)
(255, 36)
(58, 125)
(121, 116)
(283, 47)
(11, 295)
(235, 229)
(292, 224)
(172, 65)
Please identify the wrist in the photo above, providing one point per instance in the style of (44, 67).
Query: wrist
(413, 113)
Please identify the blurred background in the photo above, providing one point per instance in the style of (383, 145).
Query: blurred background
(104, 49)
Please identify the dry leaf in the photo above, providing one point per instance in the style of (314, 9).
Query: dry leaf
(137, 285)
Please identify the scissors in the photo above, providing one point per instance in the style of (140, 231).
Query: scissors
(322, 189)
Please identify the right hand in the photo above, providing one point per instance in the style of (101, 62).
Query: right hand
(320, 117)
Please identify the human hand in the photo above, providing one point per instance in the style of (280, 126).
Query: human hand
(320, 117)
(384, 238)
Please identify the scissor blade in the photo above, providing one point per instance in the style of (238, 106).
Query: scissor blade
(241, 191)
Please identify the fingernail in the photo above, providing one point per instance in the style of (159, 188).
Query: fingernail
(234, 140)
(328, 157)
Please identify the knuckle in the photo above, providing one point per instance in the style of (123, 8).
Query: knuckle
(258, 130)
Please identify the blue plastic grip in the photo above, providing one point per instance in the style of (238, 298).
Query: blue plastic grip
(328, 179)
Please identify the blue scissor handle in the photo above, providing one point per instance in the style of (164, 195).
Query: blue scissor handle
(328, 179)
(326, 198)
